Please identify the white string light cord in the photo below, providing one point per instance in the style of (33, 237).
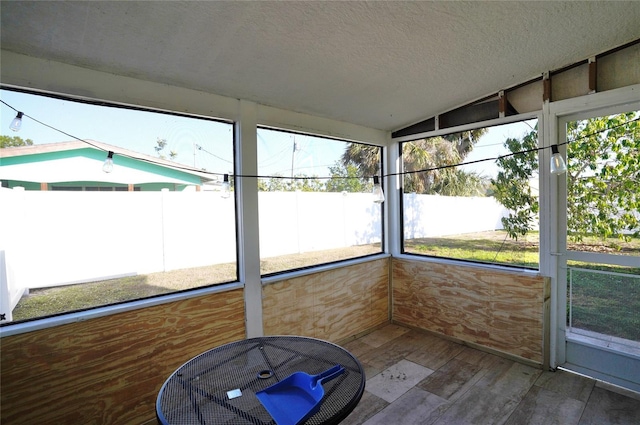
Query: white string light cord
(554, 149)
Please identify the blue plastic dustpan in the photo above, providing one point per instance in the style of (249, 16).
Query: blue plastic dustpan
(297, 397)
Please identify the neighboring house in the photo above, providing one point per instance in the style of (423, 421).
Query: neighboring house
(77, 165)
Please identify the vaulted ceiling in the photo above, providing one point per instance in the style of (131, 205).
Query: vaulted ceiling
(382, 65)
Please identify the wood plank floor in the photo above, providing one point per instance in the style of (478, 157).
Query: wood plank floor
(417, 378)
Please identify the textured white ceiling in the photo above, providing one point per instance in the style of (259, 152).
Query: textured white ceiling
(379, 64)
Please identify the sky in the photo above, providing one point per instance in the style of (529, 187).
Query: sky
(491, 146)
(312, 155)
(204, 144)
(199, 142)
(131, 129)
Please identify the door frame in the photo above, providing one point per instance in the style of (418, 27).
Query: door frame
(555, 114)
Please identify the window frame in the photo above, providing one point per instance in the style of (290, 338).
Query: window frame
(314, 268)
(543, 216)
(72, 316)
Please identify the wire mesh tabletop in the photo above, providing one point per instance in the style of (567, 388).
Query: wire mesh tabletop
(219, 386)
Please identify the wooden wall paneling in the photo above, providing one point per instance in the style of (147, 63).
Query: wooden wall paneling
(341, 317)
(499, 310)
(517, 314)
(380, 297)
(546, 319)
(109, 370)
(462, 308)
(331, 305)
(288, 308)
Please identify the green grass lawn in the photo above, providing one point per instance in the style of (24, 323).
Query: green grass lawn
(486, 247)
(601, 303)
(605, 303)
(62, 299)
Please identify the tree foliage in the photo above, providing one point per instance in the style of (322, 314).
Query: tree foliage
(512, 186)
(365, 159)
(347, 178)
(464, 141)
(422, 154)
(300, 182)
(603, 176)
(440, 155)
(160, 146)
(14, 141)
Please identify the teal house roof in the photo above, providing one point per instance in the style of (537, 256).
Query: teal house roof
(79, 161)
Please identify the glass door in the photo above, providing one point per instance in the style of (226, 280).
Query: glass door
(599, 243)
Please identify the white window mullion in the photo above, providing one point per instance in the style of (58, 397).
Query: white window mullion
(248, 229)
(392, 230)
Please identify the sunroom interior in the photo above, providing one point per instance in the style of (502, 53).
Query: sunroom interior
(381, 74)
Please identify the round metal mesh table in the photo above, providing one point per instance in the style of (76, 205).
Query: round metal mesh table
(201, 391)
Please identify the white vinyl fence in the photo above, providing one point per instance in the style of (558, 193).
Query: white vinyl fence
(295, 222)
(52, 238)
(433, 215)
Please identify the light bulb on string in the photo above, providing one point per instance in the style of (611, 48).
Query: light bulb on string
(558, 166)
(378, 194)
(225, 187)
(16, 124)
(107, 167)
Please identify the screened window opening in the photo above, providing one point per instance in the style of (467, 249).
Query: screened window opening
(316, 200)
(78, 234)
(603, 229)
(485, 211)
(603, 201)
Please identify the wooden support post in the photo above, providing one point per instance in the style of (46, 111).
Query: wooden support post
(546, 87)
(502, 104)
(593, 75)
(44, 186)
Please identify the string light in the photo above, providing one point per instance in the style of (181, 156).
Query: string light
(16, 124)
(225, 187)
(554, 148)
(107, 167)
(558, 165)
(378, 194)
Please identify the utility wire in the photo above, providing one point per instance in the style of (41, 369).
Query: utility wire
(200, 148)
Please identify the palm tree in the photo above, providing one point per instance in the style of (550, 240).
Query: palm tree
(365, 157)
(465, 140)
(421, 158)
(437, 155)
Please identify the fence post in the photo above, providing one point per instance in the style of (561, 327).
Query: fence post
(5, 296)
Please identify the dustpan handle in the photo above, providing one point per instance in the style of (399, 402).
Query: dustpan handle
(327, 375)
